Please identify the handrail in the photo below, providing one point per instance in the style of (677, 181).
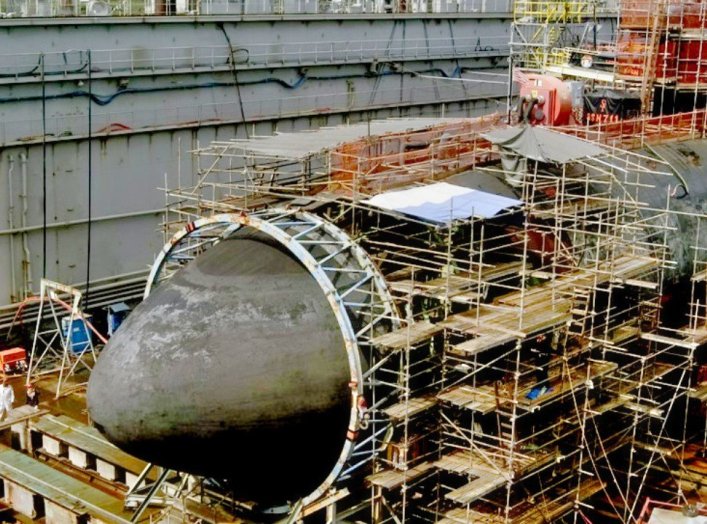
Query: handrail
(108, 8)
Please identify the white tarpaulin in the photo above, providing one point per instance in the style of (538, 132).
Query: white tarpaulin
(443, 203)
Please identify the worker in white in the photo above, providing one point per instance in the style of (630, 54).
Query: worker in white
(7, 397)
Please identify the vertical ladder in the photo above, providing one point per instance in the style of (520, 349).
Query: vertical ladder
(577, 325)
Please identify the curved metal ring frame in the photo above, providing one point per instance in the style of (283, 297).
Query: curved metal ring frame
(299, 232)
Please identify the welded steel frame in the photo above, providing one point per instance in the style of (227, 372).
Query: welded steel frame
(294, 231)
(622, 228)
(52, 295)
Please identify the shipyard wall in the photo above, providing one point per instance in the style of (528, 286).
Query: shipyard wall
(144, 92)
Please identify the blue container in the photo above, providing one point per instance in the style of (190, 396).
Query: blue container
(116, 314)
(80, 337)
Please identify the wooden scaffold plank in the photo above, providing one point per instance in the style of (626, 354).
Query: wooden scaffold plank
(410, 407)
(393, 478)
(411, 334)
(482, 485)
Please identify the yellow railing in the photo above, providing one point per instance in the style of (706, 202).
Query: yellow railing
(553, 10)
(558, 57)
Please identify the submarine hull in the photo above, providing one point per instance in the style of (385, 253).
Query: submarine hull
(234, 369)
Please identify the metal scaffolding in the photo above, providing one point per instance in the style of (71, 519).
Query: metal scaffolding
(541, 30)
(519, 368)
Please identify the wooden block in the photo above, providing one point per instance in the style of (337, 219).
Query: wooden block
(21, 499)
(78, 458)
(130, 479)
(106, 470)
(52, 446)
(55, 514)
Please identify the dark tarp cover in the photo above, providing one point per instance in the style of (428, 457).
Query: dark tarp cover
(615, 103)
(542, 145)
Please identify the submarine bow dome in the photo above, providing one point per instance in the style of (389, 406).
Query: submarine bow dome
(244, 364)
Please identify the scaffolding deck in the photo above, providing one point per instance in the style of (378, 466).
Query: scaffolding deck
(493, 461)
(408, 335)
(563, 386)
(410, 408)
(544, 307)
(467, 516)
(482, 485)
(393, 478)
(455, 288)
(60, 488)
(87, 439)
(481, 399)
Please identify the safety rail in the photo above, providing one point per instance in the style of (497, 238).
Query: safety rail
(637, 132)
(172, 59)
(108, 8)
(554, 11)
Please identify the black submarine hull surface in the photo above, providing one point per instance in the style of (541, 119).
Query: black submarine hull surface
(234, 369)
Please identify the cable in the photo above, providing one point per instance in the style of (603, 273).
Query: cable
(40, 66)
(234, 71)
(103, 100)
(376, 84)
(44, 171)
(402, 77)
(90, 182)
(458, 69)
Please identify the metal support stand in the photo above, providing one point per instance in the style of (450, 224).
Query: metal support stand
(53, 349)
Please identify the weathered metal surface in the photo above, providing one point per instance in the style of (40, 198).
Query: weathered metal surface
(687, 193)
(235, 368)
(683, 191)
(164, 86)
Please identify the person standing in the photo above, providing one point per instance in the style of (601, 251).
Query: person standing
(32, 396)
(7, 397)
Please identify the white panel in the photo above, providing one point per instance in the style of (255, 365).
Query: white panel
(106, 470)
(57, 515)
(20, 499)
(78, 458)
(51, 445)
(442, 203)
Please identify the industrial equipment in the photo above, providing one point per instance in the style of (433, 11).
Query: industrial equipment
(13, 361)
